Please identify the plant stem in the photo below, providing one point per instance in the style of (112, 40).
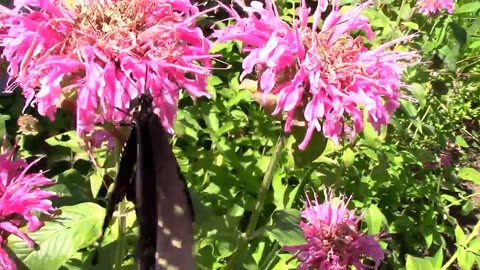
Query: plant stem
(237, 258)
(122, 219)
(400, 12)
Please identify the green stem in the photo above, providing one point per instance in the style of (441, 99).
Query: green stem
(122, 219)
(400, 12)
(237, 258)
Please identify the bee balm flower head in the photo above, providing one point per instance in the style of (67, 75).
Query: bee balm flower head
(102, 54)
(431, 7)
(20, 198)
(333, 239)
(321, 74)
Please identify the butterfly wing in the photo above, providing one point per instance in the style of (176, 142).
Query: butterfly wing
(174, 224)
(146, 196)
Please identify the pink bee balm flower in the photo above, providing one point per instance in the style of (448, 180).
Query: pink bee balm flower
(5, 262)
(20, 198)
(430, 7)
(102, 54)
(333, 239)
(322, 75)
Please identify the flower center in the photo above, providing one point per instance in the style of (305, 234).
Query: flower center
(336, 62)
(133, 27)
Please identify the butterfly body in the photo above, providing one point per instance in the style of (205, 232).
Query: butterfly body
(159, 192)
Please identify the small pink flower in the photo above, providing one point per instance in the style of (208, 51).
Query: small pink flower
(6, 263)
(20, 198)
(321, 74)
(333, 239)
(446, 159)
(430, 7)
(102, 54)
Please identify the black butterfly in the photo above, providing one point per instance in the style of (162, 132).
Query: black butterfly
(158, 190)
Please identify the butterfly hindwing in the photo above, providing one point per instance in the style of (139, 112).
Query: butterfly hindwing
(174, 238)
(164, 209)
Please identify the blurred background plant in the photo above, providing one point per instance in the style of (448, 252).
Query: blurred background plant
(418, 180)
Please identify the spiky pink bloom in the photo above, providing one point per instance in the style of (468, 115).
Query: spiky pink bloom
(20, 198)
(430, 7)
(321, 74)
(5, 261)
(333, 239)
(97, 52)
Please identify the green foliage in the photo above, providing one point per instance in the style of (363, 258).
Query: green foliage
(426, 207)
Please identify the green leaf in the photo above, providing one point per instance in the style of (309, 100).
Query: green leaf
(465, 258)
(314, 149)
(96, 181)
(226, 127)
(459, 236)
(459, 33)
(239, 97)
(437, 260)
(428, 130)
(415, 263)
(73, 188)
(460, 141)
(285, 228)
(58, 240)
(467, 8)
(469, 174)
(409, 108)
(374, 219)
(67, 139)
(279, 190)
(3, 127)
(348, 157)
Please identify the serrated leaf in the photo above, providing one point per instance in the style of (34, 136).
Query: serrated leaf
(469, 174)
(286, 229)
(58, 240)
